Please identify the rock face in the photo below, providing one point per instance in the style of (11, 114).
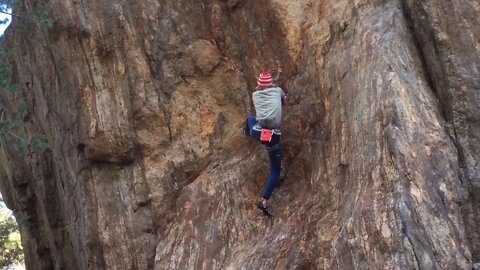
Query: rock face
(142, 101)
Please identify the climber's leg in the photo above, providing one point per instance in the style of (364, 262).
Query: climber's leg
(251, 121)
(275, 158)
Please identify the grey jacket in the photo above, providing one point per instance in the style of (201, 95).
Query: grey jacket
(268, 106)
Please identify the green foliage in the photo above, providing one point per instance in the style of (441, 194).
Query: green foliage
(6, 5)
(12, 128)
(40, 15)
(13, 135)
(5, 68)
(11, 251)
(40, 142)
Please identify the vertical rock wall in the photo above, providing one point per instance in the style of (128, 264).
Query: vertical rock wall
(449, 38)
(142, 102)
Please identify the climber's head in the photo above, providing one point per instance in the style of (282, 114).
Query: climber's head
(265, 80)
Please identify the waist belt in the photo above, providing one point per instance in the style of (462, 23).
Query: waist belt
(275, 131)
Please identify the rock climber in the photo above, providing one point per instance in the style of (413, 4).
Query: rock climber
(268, 100)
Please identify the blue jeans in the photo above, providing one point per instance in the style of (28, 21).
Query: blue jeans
(274, 156)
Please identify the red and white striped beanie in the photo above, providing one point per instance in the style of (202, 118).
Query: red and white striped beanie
(265, 79)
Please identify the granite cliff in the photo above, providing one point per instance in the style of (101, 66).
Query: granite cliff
(142, 102)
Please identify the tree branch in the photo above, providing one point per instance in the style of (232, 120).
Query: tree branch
(13, 134)
(18, 16)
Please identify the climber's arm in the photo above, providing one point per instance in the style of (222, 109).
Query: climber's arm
(284, 99)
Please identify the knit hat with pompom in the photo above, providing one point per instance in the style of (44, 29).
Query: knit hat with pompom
(265, 79)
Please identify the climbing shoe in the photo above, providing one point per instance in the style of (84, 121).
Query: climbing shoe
(264, 209)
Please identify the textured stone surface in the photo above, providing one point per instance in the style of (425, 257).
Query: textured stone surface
(142, 101)
(204, 55)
